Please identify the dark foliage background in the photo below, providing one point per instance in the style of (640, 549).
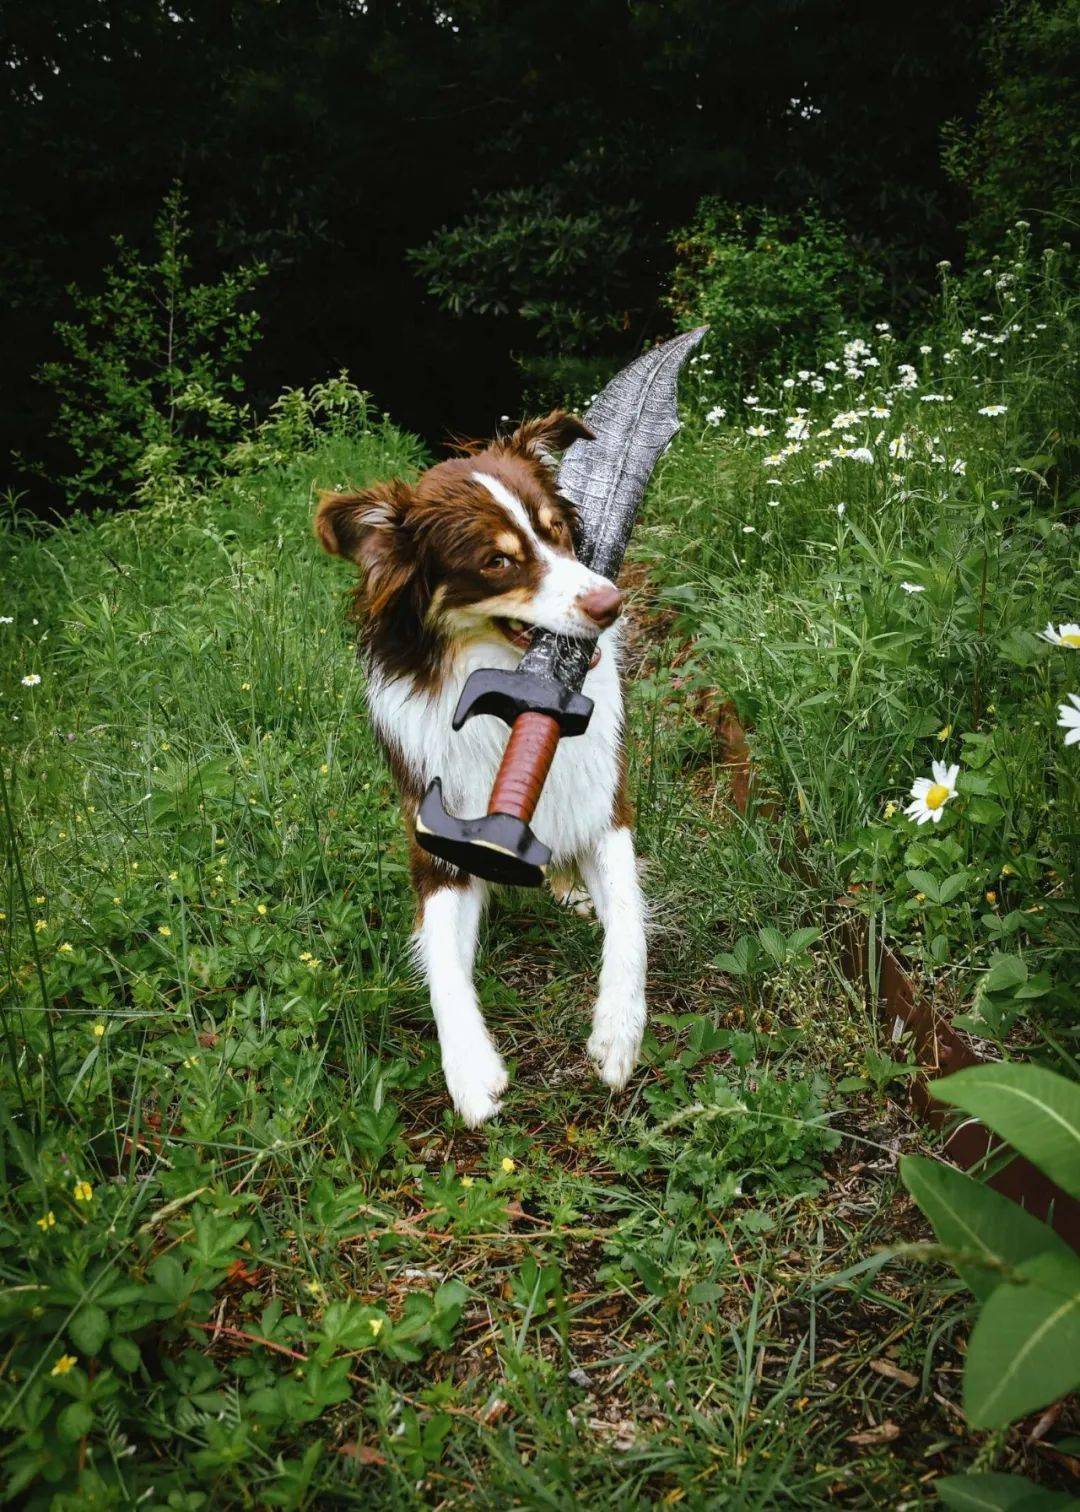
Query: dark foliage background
(422, 182)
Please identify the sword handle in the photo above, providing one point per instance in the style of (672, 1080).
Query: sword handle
(526, 762)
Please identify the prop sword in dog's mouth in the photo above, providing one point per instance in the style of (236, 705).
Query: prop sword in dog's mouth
(521, 635)
(604, 476)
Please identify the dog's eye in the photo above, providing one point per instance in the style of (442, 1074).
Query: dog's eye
(497, 563)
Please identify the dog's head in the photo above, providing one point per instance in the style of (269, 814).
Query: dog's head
(479, 547)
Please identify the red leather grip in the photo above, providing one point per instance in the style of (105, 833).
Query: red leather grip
(525, 765)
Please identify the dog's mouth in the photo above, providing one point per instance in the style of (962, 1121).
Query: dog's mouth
(519, 634)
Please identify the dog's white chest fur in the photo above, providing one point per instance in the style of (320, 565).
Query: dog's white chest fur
(575, 806)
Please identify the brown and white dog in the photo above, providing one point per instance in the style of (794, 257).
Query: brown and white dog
(457, 570)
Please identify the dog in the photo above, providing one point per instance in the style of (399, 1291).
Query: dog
(456, 572)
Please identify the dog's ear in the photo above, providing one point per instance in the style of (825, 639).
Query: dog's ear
(367, 527)
(551, 434)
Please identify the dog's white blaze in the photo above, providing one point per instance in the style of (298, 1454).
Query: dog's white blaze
(554, 605)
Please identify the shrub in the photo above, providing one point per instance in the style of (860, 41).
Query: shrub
(770, 287)
(1019, 156)
(1022, 1353)
(149, 389)
(558, 265)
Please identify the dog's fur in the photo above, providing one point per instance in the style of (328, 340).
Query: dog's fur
(446, 562)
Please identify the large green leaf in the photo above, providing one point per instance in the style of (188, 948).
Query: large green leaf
(89, 1328)
(1024, 1350)
(968, 1215)
(991, 1492)
(1037, 1111)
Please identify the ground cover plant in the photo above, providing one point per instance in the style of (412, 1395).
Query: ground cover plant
(248, 1258)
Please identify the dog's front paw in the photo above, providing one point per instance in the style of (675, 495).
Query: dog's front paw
(615, 1042)
(475, 1079)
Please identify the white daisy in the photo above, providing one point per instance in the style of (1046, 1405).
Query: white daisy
(31, 679)
(1064, 635)
(715, 415)
(6, 619)
(757, 430)
(913, 587)
(993, 409)
(959, 467)
(1069, 719)
(931, 794)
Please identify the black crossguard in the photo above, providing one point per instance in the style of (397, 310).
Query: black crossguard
(632, 423)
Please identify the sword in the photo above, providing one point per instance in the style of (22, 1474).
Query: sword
(632, 421)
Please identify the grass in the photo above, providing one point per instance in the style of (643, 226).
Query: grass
(248, 1257)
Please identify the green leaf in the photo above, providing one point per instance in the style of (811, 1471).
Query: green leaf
(965, 1214)
(1024, 1350)
(773, 942)
(1006, 972)
(1037, 1111)
(126, 1353)
(952, 887)
(801, 939)
(991, 1492)
(984, 811)
(75, 1420)
(89, 1328)
(923, 882)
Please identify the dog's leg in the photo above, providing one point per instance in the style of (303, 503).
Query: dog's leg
(445, 941)
(609, 871)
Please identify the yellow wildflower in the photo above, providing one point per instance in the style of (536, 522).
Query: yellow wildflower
(305, 955)
(165, 746)
(40, 898)
(324, 768)
(375, 1324)
(83, 1191)
(245, 687)
(65, 947)
(315, 1288)
(991, 896)
(466, 1182)
(261, 909)
(173, 876)
(64, 1364)
(1008, 871)
(99, 1030)
(48, 1222)
(507, 1165)
(920, 897)
(117, 902)
(164, 931)
(40, 924)
(944, 732)
(890, 809)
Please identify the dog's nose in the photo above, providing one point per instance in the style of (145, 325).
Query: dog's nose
(603, 605)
